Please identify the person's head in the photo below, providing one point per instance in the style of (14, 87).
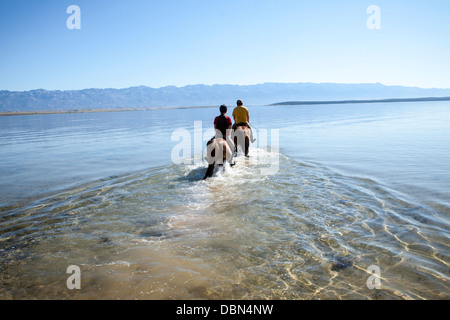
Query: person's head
(223, 109)
(239, 103)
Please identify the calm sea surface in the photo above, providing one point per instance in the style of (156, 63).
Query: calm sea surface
(350, 188)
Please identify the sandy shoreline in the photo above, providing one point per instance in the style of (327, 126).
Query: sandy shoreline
(38, 112)
(392, 100)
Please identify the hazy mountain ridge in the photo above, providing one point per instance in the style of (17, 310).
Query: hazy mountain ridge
(203, 95)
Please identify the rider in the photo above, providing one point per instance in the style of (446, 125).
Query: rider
(241, 118)
(222, 126)
(223, 123)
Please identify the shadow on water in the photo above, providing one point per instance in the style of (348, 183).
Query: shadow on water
(194, 175)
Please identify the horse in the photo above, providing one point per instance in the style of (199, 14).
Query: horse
(242, 135)
(222, 147)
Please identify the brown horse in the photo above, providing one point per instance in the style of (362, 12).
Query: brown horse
(241, 137)
(215, 147)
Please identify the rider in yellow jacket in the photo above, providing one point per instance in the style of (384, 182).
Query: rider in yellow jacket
(242, 118)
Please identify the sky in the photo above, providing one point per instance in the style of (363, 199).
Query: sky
(122, 43)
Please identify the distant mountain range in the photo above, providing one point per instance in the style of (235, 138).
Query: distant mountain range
(203, 95)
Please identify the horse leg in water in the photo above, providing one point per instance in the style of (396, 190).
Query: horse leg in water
(227, 154)
(210, 170)
(247, 145)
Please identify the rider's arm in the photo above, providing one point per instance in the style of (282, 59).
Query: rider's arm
(230, 126)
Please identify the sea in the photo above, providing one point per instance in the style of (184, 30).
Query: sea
(348, 201)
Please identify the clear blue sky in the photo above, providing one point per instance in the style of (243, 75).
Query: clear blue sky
(181, 42)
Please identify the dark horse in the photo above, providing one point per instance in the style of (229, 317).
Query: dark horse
(216, 147)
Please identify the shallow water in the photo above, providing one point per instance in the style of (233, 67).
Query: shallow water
(356, 186)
